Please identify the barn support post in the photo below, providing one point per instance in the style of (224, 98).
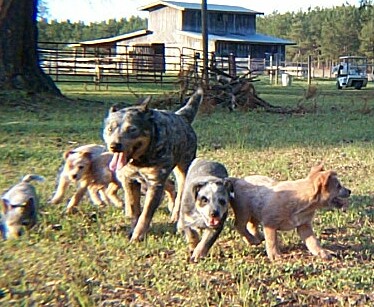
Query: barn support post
(204, 33)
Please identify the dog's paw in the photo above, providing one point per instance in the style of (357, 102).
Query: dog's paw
(54, 201)
(136, 237)
(174, 218)
(254, 240)
(70, 210)
(274, 257)
(324, 254)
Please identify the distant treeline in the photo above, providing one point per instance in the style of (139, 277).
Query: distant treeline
(73, 32)
(324, 33)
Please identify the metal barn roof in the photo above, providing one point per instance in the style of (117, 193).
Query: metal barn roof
(197, 6)
(111, 40)
(249, 38)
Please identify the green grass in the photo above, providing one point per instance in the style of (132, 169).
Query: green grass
(85, 259)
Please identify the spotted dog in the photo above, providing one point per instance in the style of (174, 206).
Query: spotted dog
(19, 207)
(205, 202)
(148, 144)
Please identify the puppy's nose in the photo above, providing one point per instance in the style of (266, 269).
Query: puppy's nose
(75, 176)
(116, 147)
(349, 191)
(214, 213)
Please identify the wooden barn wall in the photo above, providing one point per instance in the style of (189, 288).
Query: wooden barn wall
(220, 23)
(164, 23)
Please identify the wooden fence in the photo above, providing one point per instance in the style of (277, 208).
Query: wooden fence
(139, 64)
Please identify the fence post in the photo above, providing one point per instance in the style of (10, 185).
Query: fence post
(309, 69)
(276, 68)
(213, 63)
(232, 65)
(271, 69)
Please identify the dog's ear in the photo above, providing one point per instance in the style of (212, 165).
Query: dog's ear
(321, 182)
(316, 169)
(229, 185)
(145, 103)
(30, 213)
(4, 206)
(87, 155)
(114, 108)
(197, 187)
(67, 153)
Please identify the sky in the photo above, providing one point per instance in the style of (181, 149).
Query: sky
(100, 10)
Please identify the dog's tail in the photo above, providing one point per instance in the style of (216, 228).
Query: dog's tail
(189, 111)
(31, 177)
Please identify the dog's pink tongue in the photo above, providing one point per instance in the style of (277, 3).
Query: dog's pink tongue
(118, 161)
(214, 221)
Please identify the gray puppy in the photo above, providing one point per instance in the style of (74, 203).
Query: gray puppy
(204, 205)
(19, 207)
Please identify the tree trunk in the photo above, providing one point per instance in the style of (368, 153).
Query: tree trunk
(19, 61)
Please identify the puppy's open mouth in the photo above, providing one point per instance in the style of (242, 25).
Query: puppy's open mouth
(339, 203)
(214, 222)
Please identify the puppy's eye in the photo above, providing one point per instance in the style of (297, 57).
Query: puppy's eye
(222, 202)
(80, 166)
(204, 200)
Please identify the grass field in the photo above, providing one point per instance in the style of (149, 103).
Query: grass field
(85, 259)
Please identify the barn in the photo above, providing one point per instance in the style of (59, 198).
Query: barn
(232, 30)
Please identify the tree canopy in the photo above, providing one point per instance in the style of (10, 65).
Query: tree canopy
(67, 31)
(324, 33)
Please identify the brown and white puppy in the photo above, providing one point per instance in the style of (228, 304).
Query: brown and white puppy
(90, 171)
(73, 168)
(19, 208)
(285, 205)
(204, 206)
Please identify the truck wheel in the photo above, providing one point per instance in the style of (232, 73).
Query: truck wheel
(358, 85)
(338, 85)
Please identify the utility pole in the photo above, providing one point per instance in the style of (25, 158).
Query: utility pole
(204, 33)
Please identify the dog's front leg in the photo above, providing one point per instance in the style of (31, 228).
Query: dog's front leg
(62, 187)
(207, 240)
(152, 200)
(93, 192)
(192, 237)
(241, 227)
(180, 176)
(271, 242)
(307, 235)
(76, 197)
(132, 200)
(111, 192)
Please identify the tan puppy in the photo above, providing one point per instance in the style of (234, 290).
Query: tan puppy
(91, 172)
(88, 167)
(73, 167)
(285, 205)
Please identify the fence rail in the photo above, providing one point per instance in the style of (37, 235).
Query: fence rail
(134, 64)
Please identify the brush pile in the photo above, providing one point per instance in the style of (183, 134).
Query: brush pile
(226, 92)
(238, 93)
